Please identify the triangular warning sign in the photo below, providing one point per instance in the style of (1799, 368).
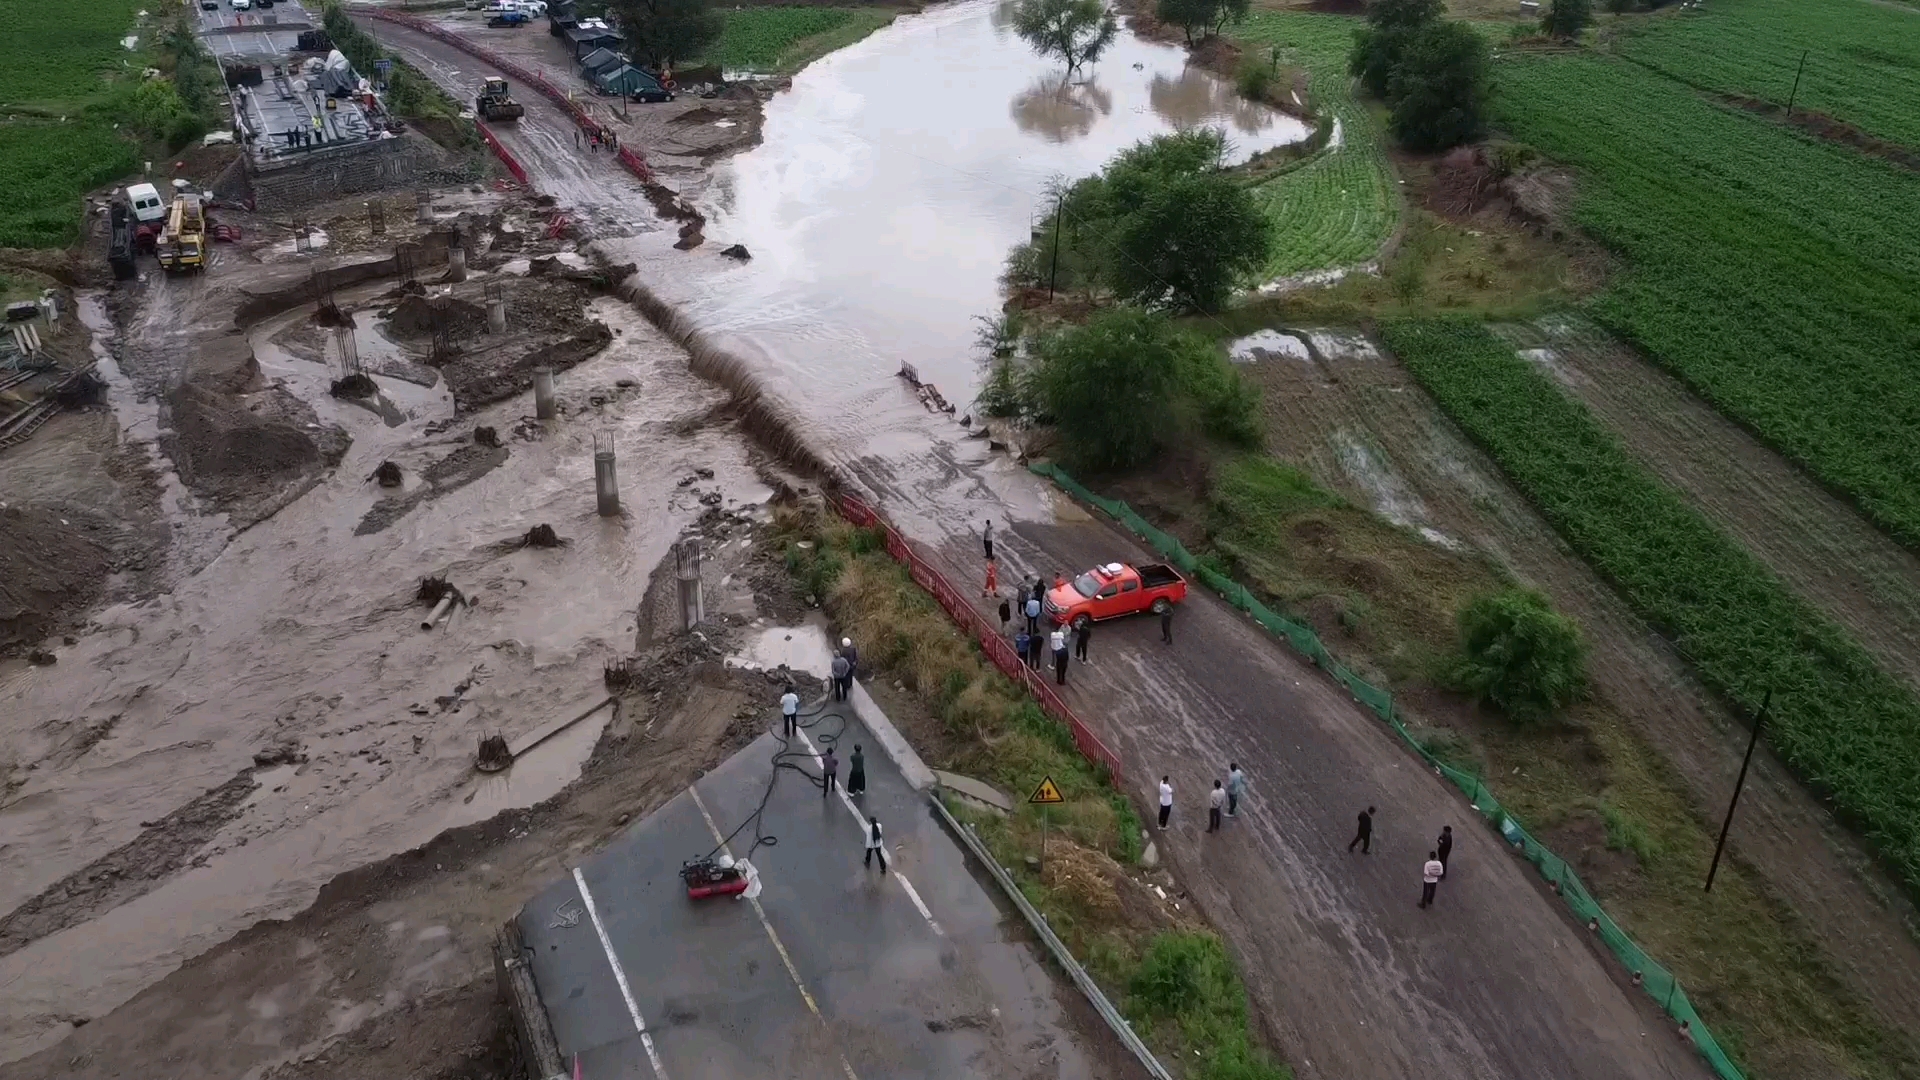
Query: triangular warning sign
(1047, 792)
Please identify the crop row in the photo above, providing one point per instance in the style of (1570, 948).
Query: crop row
(54, 55)
(1778, 276)
(1338, 208)
(1862, 60)
(765, 38)
(45, 167)
(1848, 728)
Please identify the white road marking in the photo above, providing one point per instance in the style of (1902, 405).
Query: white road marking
(846, 800)
(620, 975)
(778, 945)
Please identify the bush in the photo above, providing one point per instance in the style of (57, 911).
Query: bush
(1187, 981)
(1520, 655)
(1439, 88)
(1255, 77)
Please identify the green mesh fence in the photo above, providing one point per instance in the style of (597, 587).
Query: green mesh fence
(1657, 981)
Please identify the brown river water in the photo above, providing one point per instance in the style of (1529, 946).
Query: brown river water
(893, 178)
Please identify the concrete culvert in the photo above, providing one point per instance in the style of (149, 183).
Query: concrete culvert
(357, 385)
(388, 474)
(542, 536)
(486, 436)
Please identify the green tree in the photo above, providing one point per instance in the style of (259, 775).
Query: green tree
(1439, 88)
(1391, 27)
(1566, 18)
(1230, 11)
(1183, 232)
(1076, 31)
(1116, 387)
(1188, 15)
(1520, 655)
(666, 33)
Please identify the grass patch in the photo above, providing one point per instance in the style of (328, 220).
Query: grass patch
(1848, 728)
(1747, 962)
(56, 58)
(782, 40)
(1174, 979)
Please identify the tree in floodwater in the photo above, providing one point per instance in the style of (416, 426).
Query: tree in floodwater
(1204, 16)
(1076, 31)
(666, 33)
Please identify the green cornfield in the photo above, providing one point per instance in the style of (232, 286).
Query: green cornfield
(1862, 59)
(1337, 208)
(1849, 729)
(784, 39)
(1777, 275)
(45, 167)
(54, 57)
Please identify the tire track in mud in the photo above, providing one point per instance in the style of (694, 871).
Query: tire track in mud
(1348, 392)
(128, 872)
(1819, 545)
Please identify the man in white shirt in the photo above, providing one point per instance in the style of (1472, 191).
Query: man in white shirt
(1216, 799)
(1166, 802)
(790, 712)
(1430, 877)
(1058, 639)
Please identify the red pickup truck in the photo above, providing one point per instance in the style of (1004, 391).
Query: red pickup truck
(1113, 590)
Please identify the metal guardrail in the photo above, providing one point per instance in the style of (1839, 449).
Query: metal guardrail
(1058, 948)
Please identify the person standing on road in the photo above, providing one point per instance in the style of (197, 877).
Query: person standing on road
(986, 539)
(1081, 635)
(1022, 644)
(840, 672)
(857, 772)
(993, 579)
(1443, 847)
(1215, 799)
(873, 844)
(1430, 877)
(790, 712)
(853, 659)
(1058, 639)
(1166, 802)
(1166, 625)
(1033, 614)
(1364, 835)
(1006, 614)
(1039, 590)
(1034, 645)
(829, 773)
(1236, 787)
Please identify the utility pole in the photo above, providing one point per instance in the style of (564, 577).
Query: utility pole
(1053, 271)
(1759, 719)
(1796, 82)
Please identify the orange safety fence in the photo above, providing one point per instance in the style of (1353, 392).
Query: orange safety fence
(630, 159)
(960, 608)
(505, 155)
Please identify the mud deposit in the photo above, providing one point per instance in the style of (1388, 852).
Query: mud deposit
(449, 474)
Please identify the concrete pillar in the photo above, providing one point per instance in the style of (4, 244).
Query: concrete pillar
(686, 569)
(606, 488)
(423, 206)
(544, 406)
(456, 264)
(496, 316)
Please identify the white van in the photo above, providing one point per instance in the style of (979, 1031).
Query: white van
(147, 205)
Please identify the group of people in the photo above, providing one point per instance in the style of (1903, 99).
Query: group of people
(1431, 872)
(1222, 802)
(1029, 640)
(597, 137)
(845, 662)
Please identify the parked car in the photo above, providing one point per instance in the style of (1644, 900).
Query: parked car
(242, 5)
(652, 95)
(209, 5)
(1113, 590)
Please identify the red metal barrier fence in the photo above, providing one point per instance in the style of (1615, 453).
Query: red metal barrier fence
(505, 155)
(633, 162)
(960, 607)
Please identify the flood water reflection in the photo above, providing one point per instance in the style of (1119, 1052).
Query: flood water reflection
(892, 181)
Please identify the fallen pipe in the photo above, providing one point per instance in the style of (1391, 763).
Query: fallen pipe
(439, 609)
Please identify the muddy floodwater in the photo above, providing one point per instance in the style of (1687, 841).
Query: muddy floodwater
(892, 181)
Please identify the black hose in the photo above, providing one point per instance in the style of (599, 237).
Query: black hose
(785, 758)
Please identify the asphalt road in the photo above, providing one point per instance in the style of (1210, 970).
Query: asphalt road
(833, 970)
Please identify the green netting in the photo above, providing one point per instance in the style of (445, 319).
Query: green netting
(1654, 979)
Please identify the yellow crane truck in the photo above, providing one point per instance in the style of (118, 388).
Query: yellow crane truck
(183, 243)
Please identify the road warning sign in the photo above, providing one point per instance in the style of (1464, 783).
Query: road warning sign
(1047, 792)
